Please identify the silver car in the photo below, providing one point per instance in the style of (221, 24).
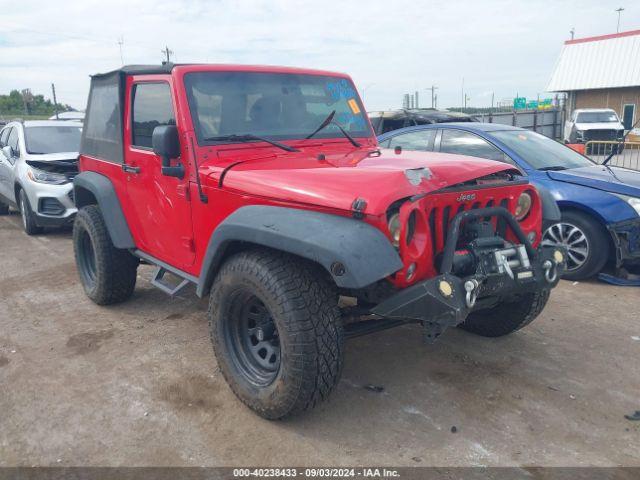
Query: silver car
(38, 160)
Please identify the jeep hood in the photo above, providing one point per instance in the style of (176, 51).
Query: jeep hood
(609, 179)
(338, 179)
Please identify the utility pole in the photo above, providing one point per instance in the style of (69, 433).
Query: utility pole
(55, 100)
(433, 89)
(462, 95)
(417, 104)
(619, 10)
(492, 98)
(572, 32)
(120, 43)
(167, 53)
(435, 101)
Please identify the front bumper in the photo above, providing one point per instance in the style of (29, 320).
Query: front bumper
(52, 205)
(493, 270)
(626, 239)
(446, 299)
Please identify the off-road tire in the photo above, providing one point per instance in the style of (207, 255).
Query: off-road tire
(507, 317)
(4, 208)
(108, 274)
(28, 218)
(302, 303)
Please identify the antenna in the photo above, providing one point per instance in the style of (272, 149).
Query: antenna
(572, 32)
(619, 10)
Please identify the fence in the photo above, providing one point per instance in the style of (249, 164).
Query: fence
(627, 155)
(546, 122)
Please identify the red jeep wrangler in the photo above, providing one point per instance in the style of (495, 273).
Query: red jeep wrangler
(265, 187)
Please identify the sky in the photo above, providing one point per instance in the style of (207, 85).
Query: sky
(494, 48)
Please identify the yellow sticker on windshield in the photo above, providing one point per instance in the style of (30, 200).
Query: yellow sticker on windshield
(354, 106)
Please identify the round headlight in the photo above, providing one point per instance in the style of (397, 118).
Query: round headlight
(394, 229)
(524, 205)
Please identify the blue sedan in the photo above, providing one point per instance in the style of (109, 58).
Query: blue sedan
(600, 204)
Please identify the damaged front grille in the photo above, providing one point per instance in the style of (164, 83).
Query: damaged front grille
(440, 217)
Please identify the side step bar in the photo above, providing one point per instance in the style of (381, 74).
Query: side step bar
(162, 268)
(159, 282)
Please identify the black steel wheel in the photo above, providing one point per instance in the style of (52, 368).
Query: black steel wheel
(252, 338)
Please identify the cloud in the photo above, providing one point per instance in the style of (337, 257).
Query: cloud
(395, 47)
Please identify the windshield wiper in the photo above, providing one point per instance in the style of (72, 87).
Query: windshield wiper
(554, 168)
(621, 142)
(329, 121)
(249, 137)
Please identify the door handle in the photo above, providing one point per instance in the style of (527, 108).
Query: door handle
(130, 168)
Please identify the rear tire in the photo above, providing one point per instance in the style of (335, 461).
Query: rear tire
(28, 218)
(506, 317)
(276, 332)
(108, 274)
(586, 258)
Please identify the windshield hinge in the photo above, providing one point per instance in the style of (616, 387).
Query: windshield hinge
(357, 208)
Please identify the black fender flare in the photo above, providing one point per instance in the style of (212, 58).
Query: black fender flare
(101, 188)
(354, 253)
(550, 211)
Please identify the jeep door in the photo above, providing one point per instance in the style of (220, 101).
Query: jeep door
(158, 204)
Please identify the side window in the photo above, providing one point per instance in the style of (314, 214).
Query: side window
(421, 141)
(12, 141)
(465, 143)
(152, 107)
(4, 136)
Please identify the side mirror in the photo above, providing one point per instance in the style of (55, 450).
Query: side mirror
(166, 144)
(7, 151)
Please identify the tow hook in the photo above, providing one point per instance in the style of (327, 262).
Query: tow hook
(550, 270)
(471, 286)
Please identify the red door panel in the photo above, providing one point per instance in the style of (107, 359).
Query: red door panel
(159, 208)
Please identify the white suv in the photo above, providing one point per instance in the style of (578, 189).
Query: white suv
(38, 160)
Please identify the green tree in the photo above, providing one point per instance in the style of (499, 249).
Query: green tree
(25, 103)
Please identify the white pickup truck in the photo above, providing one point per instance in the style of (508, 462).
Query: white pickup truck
(593, 124)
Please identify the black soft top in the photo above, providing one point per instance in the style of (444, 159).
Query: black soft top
(102, 135)
(165, 67)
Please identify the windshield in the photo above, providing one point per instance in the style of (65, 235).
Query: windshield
(541, 152)
(272, 105)
(597, 117)
(54, 139)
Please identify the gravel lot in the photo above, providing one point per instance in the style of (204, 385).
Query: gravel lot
(137, 384)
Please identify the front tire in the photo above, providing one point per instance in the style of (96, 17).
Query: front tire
(28, 218)
(276, 332)
(586, 243)
(108, 274)
(4, 209)
(507, 317)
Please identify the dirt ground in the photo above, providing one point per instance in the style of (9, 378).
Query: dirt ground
(137, 384)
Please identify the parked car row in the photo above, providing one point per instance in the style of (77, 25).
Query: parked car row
(267, 188)
(600, 204)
